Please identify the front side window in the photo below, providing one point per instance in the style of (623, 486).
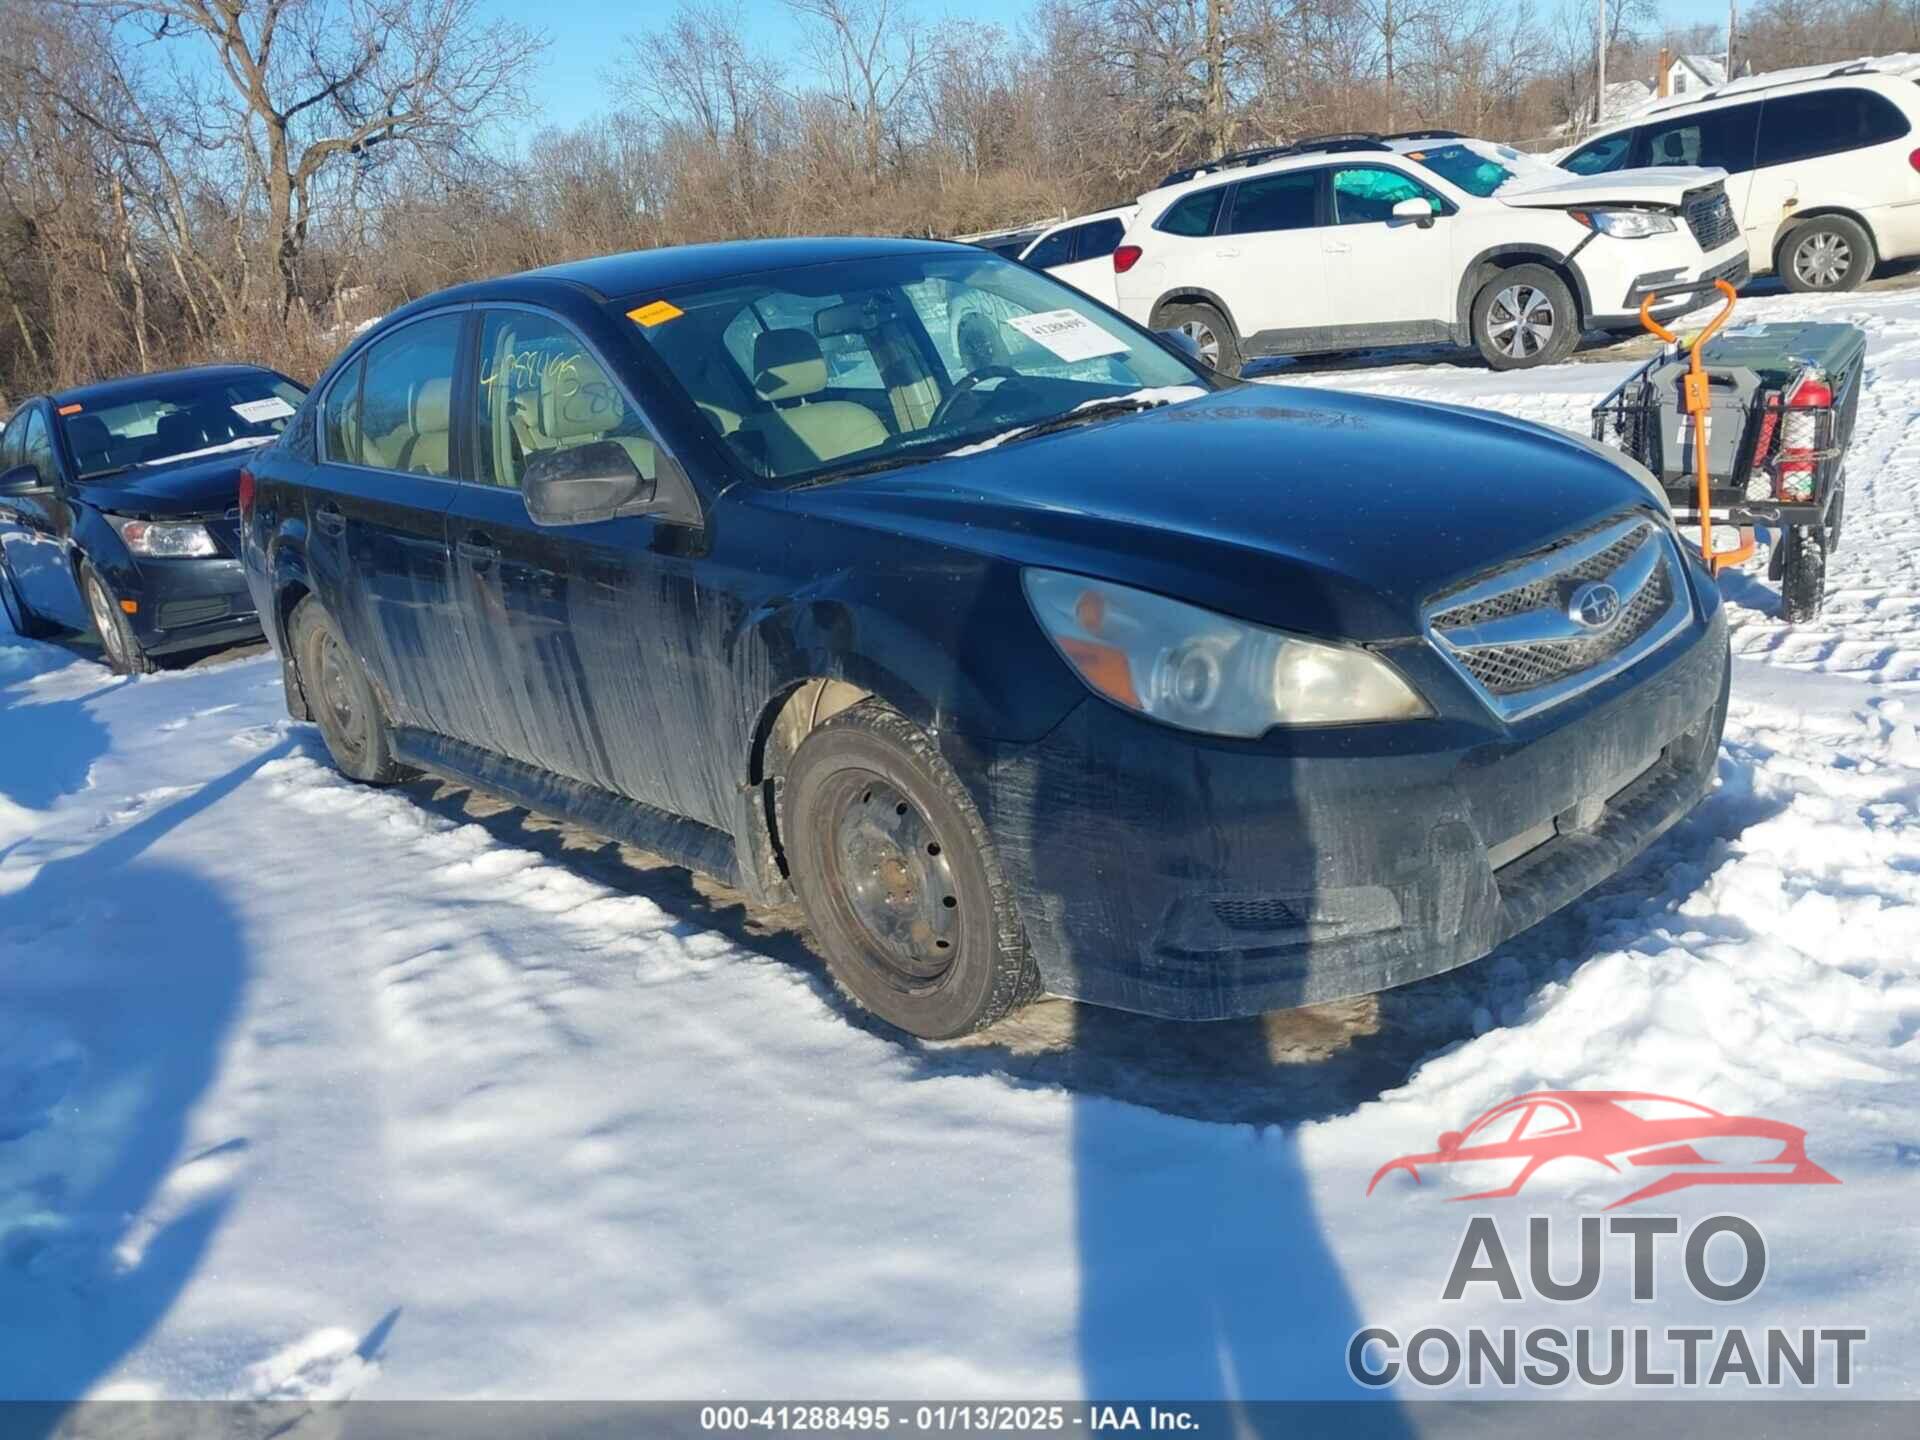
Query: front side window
(1193, 214)
(1826, 122)
(37, 448)
(1367, 194)
(968, 349)
(542, 388)
(1464, 168)
(406, 398)
(1718, 137)
(1601, 156)
(179, 418)
(1286, 201)
(1056, 249)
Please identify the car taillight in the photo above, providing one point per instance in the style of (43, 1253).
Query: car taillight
(1799, 434)
(246, 496)
(1914, 159)
(1124, 258)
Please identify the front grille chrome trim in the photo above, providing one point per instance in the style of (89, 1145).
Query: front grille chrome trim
(1465, 646)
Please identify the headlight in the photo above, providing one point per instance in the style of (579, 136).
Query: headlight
(1626, 224)
(165, 539)
(1188, 667)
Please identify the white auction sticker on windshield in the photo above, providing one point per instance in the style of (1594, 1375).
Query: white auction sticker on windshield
(258, 412)
(1068, 334)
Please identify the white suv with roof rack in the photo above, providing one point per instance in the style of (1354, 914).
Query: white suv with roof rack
(1822, 163)
(1352, 241)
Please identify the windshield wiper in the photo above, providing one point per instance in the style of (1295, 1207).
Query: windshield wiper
(1085, 415)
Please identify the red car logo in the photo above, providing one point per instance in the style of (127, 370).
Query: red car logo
(1695, 1145)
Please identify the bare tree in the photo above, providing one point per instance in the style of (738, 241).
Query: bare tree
(872, 54)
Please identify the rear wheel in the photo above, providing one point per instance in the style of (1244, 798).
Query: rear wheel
(1829, 252)
(340, 698)
(1211, 332)
(899, 878)
(117, 639)
(1803, 575)
(1524, 317)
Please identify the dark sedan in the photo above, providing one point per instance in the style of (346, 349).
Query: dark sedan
(118, 508)
(1050, 664)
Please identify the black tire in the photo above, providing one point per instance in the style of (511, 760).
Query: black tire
(117, 642)
(900, 880)
(1524, 317)
(1827, 253)
(340, 698)
(1211, 331)
(1803, 575)
(25, 623)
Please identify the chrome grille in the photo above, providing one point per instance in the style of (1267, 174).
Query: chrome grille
(1710, 217)
(1514, 635)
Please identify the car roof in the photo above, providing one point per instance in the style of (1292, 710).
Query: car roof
(637, 272)
(1889, 73)
(1397, 146)
(130, 387)
(1112, 212)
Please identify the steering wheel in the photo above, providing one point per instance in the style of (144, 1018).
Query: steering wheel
(966, 385)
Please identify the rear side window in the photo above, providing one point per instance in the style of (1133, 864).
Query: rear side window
(1826, 122)
(406, 398)
(1275, 202)
(1100, 238)
(1607, 153)
(341, 416)
(1056, 249)
(1715, 137)
(1193, 214)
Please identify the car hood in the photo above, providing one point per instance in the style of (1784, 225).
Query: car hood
(1312, 510)
(1554, 188)
(208, 486)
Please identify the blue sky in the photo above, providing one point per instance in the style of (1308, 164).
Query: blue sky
(587, 38)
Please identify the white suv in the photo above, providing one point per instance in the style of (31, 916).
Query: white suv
(1822, 165)
(1353, 241)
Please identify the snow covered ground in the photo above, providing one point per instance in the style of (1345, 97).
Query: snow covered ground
(309, 1090)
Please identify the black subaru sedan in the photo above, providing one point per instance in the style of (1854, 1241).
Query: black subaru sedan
(118, 508)
(1046, 663)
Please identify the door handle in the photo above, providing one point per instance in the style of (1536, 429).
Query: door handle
(477, 547)
(329, 518)
(1226, 254)
(1339, 247)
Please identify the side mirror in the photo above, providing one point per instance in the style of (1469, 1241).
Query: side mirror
(21, 480)
(1184, 343)
(583, 483)
(1449, 1141)
(1416, 208)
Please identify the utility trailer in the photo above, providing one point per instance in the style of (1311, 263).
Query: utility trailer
(1761, 434)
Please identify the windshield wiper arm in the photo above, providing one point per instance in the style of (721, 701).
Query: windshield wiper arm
(1085, 415)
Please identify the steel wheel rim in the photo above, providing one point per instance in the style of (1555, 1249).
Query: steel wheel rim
(345, 720)
(1520, 321)
(1203, 337)
(105, 622)
(1822, 260)
(889, 878)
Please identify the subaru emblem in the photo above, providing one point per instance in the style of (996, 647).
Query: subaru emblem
(1595, 605)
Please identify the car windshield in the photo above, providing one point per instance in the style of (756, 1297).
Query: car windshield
(815, 371)
(1464, 168)
(178, 418)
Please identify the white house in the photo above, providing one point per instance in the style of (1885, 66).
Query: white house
(1689, 74)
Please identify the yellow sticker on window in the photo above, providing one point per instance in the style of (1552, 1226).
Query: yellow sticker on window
(657, 313)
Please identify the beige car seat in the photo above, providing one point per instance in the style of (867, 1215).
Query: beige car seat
(788, 370)
(419, 443)
(579, 404)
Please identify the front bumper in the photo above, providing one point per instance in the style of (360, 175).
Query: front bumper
(190, 604)
(1734, 271)
(1202, 880)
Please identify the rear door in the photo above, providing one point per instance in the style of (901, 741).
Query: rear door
(1385, 271)
(1269, 258)
(377, 546)
(35, 523)
(1840, 145)
(1726, 137)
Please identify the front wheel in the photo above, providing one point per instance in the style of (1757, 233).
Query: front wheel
(1803, 575)
(1212, 334)
(117, 640)
(1524, 317)
(901, 883)
(340, 698)
(1829, 252)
